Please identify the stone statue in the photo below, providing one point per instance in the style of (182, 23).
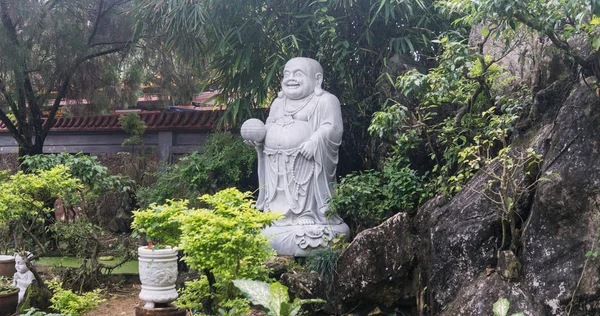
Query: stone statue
(297, 159)
(23, 277)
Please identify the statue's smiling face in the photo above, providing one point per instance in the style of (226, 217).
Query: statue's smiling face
(20, 265)
(299, 80)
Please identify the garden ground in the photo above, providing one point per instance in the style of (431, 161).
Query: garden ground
(121, 302)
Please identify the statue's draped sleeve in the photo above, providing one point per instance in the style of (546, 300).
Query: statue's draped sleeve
(260, 201)
(327, 129)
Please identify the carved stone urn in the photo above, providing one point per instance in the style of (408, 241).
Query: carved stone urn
(158, 273)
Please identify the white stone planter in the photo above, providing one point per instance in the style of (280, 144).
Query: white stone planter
(158, 273)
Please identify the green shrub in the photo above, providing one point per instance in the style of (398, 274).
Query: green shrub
(87, 169)
(223, 241)
(444, 112)
(133, 125)
(368, 198)
(65, 301)
(226, 161)
(27, 199)
(193, 294)
(161, 223)
(226, 239)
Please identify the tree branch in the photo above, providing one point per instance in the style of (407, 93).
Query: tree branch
(97, 22)
(560, 44)
(11, 127)
(102, 53)
(110, 43)
(50, 120)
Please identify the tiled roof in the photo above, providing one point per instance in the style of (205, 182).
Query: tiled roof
(155, 121)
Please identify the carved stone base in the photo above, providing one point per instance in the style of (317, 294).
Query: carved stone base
(300, 240)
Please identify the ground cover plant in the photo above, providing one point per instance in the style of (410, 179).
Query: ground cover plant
(274, 297)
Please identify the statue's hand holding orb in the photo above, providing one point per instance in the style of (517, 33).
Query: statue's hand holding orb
(253, 132)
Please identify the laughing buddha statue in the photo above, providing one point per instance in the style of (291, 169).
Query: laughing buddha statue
(297, 159)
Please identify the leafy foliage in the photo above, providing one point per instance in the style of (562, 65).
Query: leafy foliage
(6, 285)
(27, 200)
(161, 223)
(272, 297)
(193, 294)
(511, 176)
(558, 21)
(65, 301)
(451, 113)
(223, 241)
(79, 232)
(86, 168)
(133, 125)
(226, 238)
(245, 45)
(368, 198)
(225, 162)
(48, 52)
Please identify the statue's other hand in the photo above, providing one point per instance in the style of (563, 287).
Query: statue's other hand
(307, 149)
(253, 143)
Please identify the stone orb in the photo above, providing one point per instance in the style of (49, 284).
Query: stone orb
(254, 130)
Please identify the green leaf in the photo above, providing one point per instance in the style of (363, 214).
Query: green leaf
(257, 292)
(485, 32)
(286, 309)
(279, 298)
(595, 20)
(501, 307)
(596, 43)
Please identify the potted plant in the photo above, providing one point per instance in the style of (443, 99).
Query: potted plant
(9, 297)
(158, 260)
(7, 266)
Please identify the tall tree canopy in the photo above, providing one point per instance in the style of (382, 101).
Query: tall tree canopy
(245, 44)
(51, 49)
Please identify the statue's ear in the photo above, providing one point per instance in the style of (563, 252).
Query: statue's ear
(318, 89)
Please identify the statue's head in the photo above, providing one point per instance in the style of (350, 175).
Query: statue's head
(301, 77)
(20, 265)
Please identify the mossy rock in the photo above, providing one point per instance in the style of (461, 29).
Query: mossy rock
(36, 296)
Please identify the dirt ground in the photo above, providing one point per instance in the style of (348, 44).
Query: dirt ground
(123, 301)
(120, 302)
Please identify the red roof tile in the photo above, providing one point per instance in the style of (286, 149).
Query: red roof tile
(155, 121)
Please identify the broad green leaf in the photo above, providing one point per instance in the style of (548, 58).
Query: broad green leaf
(595, 20)
(279, 296)
(256, 291)
(501, 307)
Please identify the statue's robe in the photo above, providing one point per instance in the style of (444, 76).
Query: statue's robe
(290, 184)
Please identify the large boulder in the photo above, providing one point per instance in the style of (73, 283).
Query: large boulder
(464, 237)
(449, 245)
(377, 266)
(564, 221)
(480, 295)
